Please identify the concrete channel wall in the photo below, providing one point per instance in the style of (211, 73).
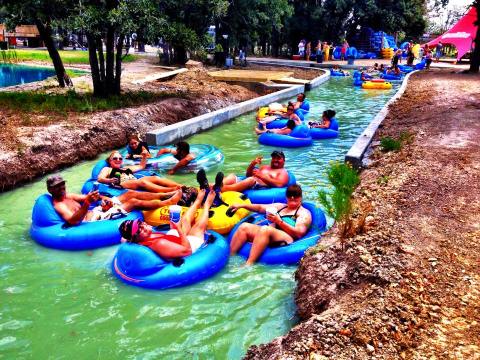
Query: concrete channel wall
(357, 151)
(171, 133)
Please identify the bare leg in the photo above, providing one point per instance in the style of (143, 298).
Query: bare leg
(230, 179)
(162, 181)
(146, 184)
(143, 195)
(134, 203)
(265, 236)
(201, 224)
(239, 186)
(189, 216)
(244, 233)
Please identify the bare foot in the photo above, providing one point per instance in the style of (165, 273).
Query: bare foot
(175, 198)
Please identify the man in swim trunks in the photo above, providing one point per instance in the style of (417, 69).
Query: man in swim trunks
(290, 222)
(267, 176)
(181, 240)
(74, 208)
(290, 115)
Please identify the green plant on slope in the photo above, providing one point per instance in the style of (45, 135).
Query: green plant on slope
(338, 203)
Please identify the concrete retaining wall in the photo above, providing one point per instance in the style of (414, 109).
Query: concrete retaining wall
(171, 133)
(357, 151)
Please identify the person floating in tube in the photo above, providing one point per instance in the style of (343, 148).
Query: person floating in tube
(289, 222)
(181, 153)
(327, 117)
(186, 234)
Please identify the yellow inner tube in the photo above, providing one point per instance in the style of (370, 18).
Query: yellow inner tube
(218, 221)
(377, 85)
(262, 112)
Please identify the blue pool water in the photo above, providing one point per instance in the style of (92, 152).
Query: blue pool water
(19, 74)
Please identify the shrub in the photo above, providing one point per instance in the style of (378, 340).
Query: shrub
(338, 204)
(390, 144)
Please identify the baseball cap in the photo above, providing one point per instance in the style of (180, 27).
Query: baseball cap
(54, 180)
(278, 153)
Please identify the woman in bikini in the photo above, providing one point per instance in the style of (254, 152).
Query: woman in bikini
(116, 175)
(181, 240)
(290, 222)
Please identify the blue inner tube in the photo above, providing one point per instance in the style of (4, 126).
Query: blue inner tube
(290, 254)
(405, 68)
(50, 230)
(206, 157)
(140, 266)
(391, 76)
(305, 105)
(297, 138)
(331, 132)
(337, 73)
(270, 195)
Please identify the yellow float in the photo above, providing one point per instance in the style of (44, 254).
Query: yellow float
(377, 85)
(263, 111)
(218, 220)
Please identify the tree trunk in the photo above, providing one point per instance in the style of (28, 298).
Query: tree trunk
(110, 63)
(118, 64)
(98, 83)
(275, 42)
(180, 55)
(101, 59)
(46, 35)
(475, 56)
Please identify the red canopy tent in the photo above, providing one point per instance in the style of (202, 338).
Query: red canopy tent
(461, 34)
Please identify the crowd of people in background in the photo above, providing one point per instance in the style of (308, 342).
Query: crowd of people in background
(319, 50)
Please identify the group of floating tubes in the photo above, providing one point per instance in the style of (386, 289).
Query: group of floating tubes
(301, 135)
(139, 265)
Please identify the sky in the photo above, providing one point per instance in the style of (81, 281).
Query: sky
(440, 16)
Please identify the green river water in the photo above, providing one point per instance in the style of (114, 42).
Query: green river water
(62, 305)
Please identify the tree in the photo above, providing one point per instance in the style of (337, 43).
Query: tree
(475, 56)
(44, 14)
(106, 24)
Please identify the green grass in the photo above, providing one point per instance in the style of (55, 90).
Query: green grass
(37, 102)
(68, 57)
(388, 143)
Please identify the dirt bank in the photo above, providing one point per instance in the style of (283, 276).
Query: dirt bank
(408, 284)
(33, 144)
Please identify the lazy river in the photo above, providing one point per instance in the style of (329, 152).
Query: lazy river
(56, 304)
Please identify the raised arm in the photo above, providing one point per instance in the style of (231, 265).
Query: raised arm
(251, 167)
(182, 163)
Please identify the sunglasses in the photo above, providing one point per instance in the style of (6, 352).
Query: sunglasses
(117, 158)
